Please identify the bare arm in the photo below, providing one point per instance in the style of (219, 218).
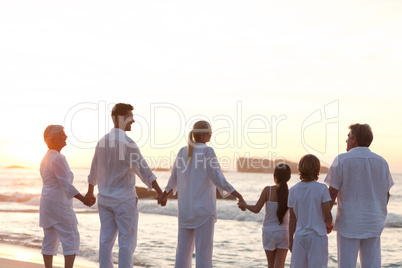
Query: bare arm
(292, 227)
(334, 194)
(326, 209)
(260, 203)
(155, 185)
(238, 196)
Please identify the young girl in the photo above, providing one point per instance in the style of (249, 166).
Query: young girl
(310, 217)
(196, 174)
(275, 235)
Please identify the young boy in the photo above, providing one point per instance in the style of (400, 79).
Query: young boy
(309, 205)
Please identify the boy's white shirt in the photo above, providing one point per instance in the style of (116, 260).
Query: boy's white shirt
(306, 199)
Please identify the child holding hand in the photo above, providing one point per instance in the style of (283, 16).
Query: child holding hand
(310, 217)
(275, 235)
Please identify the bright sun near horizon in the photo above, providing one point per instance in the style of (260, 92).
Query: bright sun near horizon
(276, 79)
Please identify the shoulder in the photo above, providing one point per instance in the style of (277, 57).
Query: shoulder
(209, 151)
(53, 155)
(183, 150)
(379, 157)
(266, 189)
(297, 185)
(319, 187)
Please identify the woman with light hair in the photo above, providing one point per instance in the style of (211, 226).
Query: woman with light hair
(196, 174)
(56, 214)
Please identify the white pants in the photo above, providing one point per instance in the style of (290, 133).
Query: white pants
(369, 248)
(202, 237)
(66, 233)
(122, 219)
(309, 251)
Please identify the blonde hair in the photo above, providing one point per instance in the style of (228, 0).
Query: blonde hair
(51, 131)
(309, 167)
(199, 128)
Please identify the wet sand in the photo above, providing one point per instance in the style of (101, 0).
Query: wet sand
(12, 256)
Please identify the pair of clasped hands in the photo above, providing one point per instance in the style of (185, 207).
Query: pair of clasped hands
(89, 200)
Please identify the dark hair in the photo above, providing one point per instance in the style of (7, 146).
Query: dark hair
(309, 167)
(120, 109)
(363, 134)
(282, 176)
(199, 129)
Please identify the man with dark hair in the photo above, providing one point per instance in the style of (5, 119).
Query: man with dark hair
(361, 181)
(116, 161)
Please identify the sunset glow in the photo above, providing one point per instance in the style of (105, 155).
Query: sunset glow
(275, 79)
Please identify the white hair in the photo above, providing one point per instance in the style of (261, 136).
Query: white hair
(51, 131)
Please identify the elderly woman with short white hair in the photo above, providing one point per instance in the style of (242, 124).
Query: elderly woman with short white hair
(56, 214)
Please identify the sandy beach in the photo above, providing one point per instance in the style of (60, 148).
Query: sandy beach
(12, 256)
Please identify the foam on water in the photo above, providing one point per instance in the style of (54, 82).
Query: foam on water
(237, 239)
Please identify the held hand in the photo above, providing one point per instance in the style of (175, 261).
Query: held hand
(162, 199)
(329, 229)
(87, 201)
(242, 205)
(92, 199)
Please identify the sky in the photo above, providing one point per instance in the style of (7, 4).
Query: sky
(276, 79)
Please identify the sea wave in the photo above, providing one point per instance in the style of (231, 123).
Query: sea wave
(18, 197)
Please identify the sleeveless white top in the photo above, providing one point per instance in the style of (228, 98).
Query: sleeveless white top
(271, 222)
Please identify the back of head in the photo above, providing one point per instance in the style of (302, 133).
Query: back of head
(282, 174)
(363, 134)
(120, 109)
(309, 168)
(50, 132)
(199, 128)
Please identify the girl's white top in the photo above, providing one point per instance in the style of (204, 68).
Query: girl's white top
(196, 183)
(271, 222)
(56, 202)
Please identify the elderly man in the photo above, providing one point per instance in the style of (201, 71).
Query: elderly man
(116, 161)
(361, 181)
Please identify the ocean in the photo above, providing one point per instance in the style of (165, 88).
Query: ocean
(237, 240)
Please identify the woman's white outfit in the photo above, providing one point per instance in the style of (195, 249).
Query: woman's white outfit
(56, 214)
(196, 183)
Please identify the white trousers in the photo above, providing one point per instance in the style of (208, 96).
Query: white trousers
(202, 237)
(66, 233)
(122, 220)
(369, 248)
(309, 251)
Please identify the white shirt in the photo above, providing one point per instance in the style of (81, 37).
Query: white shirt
(196, 185)
(56, 202)
(116, 161)
(306, 199)
(363, 180)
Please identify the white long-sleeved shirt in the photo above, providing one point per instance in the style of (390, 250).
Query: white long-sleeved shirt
(56, 202)
(116, 161)
(363, 180)
(196, 185)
